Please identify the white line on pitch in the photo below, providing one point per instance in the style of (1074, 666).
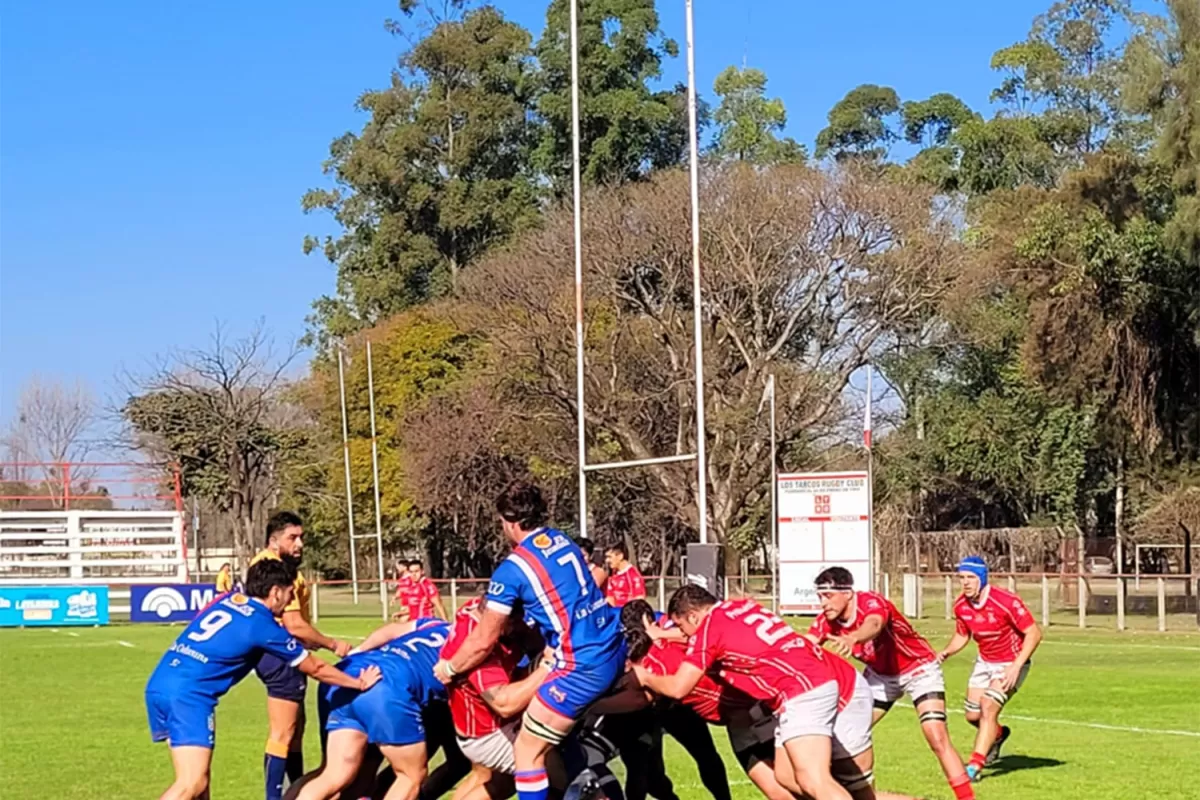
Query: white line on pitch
(73, 633)
(1122, 645)
(1078, 724)
(124, 643)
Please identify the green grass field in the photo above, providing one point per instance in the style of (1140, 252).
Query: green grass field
(1104, 716)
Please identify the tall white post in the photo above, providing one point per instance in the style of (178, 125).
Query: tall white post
(774, 502)
(697, 319)
(383, 605)
(577, 191)
(349, 490)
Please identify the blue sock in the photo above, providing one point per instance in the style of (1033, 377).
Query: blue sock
(532, 784)
(275, 768)
(295, 765)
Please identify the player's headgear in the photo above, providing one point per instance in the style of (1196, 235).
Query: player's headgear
(975, 565)
(834, 579)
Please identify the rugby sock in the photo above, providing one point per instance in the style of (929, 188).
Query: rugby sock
(295, 765)
(977, 759)
(532, 784)
(961, 786)
(275, 769)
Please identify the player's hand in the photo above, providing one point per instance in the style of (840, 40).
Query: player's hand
(441, 671)
(1009, 679)
(369, 677)
(841, 645)
(941, 657)
(342, 649)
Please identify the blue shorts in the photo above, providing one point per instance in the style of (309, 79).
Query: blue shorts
(183, 720)
(388, 713)
(283, 681)
(570, 691)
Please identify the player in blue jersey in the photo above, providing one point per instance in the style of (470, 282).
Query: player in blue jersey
(547, 577)
(391, 717)
(213, 653)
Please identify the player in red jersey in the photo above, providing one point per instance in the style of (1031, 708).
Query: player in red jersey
(898, 661)
(625, 581)
(418, 595)
(486, 704)
(823, 706)
(1007, 635)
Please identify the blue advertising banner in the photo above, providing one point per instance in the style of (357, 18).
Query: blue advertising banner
(173, 602)
(53, 606)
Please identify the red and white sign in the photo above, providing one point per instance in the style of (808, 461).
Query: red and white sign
(824, 521)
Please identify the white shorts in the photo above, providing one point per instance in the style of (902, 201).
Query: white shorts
(852, 729)
(494, 751)
(987, 671)
(810, 714)
(916, 683)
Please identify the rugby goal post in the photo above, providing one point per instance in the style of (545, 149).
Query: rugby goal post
(90, 524)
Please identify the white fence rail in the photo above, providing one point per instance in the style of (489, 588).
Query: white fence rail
(92, 547)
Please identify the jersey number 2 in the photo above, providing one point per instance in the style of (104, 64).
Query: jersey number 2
(212, 622)
(770, 629)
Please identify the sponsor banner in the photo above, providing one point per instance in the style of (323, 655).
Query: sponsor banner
(174, 602)
(824, 520)
(53, 606)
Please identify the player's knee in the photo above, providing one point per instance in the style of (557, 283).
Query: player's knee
(992, 701)
(972, 711)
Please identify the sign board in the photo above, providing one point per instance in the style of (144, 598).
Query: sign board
(176, 602)
(824, 521)
(53, 606)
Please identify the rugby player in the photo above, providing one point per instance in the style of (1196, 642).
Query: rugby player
(547, 576)
(286, 686)
(823, 706)
(1007, 635)
(485, 705)
(898, 661)
(599, 573)
(213, 653)
(391, 719)
(625, 581)
(418, 595)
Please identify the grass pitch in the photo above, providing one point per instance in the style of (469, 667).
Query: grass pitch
(1104, 716)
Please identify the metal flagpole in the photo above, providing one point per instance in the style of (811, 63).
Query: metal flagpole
(870, 486)
(383, 605)
(698, 324)
(774, 502)
(578, 200)
(349, 490)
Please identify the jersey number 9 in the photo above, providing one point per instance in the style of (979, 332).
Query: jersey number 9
(212, 622)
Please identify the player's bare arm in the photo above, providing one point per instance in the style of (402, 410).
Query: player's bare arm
(325, 672)
(955, 646)
(871, 627)
(385, 633)
(439, 610)
(511, 699)
(1033, 637)
(312, 638)
(677, 686)
(476, 647)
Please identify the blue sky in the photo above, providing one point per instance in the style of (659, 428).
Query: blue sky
(153, 154)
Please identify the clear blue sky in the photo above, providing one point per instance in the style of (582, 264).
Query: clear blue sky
(153, 154)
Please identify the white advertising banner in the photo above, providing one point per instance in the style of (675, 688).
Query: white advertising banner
(824, 521)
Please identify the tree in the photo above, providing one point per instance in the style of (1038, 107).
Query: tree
(221, 414)
(626, 129)
(747, 121)
(439, 174)
(858, 124)
(52, 426)
(806, 276)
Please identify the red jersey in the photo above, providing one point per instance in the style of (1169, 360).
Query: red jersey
(416, 596)
(626, 585)
(714, 702)
(472, 716)
(897, 649)
(759, 654)
(998, 624)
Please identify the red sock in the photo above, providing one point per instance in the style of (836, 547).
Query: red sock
(962, 787)
(977, 759)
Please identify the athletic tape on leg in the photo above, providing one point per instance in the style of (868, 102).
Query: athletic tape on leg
(541, 730)
(972, 708)
(933, 716)
(997, 696)
(929, 696)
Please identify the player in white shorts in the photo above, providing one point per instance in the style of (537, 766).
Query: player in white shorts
(898, 661)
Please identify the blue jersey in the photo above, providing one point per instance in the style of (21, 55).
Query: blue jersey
(221, 646)
(548, 575)
(407, 660)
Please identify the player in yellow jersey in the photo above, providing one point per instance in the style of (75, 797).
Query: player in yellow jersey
(225, 579)
(285, 684)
